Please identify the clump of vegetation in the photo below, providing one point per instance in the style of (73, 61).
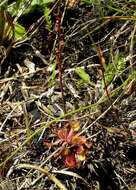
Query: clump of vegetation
(67, 94)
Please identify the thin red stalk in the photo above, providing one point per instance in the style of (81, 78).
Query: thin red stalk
(59, 52)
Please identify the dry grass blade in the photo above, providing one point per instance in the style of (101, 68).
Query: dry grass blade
(7, 33)
(7, 27)
(71, 174)
(45, 171)
(119, 18)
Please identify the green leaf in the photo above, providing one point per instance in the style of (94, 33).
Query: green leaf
(113, 69)
(40, 2)
(121, 65)
(48, 1)
(35, 2)
(47, 15)
(53, 71)
(82, 74)
(109, 73)
(89, 1)
(19, 31)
